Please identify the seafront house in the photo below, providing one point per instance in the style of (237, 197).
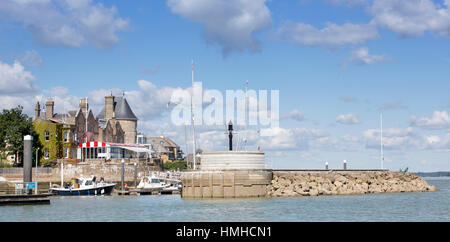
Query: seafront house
(62, 133)
(116, 138)
(165, 148)
(50, 133)
(118, 114)
(80, 136)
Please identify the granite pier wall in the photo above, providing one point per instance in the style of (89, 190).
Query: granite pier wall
(268, 183)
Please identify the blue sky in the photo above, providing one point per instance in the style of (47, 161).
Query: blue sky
(337, 64)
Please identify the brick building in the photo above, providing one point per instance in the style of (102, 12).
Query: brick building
(61, 133)
(118, 114)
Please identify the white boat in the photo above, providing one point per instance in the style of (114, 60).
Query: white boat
(171, 188)
(84, 186)
(150, 184)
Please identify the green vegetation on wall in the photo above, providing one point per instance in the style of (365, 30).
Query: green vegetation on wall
(55, 142)
(175, 165)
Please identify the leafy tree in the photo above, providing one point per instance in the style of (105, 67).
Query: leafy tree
(175, 165)
(13, 126)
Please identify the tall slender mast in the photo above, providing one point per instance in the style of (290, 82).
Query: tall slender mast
(192, 116)
(185, 138)
(247, 114)
(86, 119)
(381, 136)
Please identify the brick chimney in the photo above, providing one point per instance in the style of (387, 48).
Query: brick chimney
(37, 111)
(49, 107)
(109, 107)
(84, 105)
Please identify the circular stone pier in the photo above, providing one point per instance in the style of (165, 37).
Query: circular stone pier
(228, 174)
(232, 160)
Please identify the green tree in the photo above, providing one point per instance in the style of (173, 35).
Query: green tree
(13, 126)
(176, 165)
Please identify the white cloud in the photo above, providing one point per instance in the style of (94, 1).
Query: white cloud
(438, 143)
(362, 56)
(64, 101)
(406, 139)
(439, 120)
(230, 23)
(347, 119)
(15, 79)
(150, 101)
(290, 139)
(70, 23)
(351, 138)
(393, 139)
(331, 36)
(17, 87)
(294, 114)
(413, 17)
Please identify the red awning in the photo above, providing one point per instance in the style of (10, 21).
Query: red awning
(93, 144)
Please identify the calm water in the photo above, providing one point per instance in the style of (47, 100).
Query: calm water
(432, 206)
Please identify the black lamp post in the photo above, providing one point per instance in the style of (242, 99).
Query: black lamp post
(230, 135)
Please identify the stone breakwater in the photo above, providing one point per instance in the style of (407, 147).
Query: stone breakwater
(310, 183)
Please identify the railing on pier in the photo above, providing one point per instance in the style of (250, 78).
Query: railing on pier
(19, 170)
(168, 176)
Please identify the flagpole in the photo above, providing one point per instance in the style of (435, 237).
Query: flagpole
(192, 117)
(247, 114)
(86, 119)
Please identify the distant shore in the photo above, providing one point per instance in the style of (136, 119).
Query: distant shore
(433, 174)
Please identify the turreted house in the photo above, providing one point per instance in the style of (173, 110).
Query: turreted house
(118, 115)
(61, 133)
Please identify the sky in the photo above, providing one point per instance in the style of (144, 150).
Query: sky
(337, 64)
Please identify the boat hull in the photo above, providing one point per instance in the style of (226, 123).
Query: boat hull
(103, 190)
(147, 191)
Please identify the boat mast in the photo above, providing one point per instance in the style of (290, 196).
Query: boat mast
(192, 117)
(185, 138)
(381, 138)
(86, 119)
(247, 114)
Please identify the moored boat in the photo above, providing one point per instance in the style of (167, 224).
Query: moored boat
(171, 189)
(150, 184)
(84, 186)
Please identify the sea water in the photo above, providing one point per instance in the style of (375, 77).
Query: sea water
(428, 206)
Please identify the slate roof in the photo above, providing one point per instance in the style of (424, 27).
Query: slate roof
(161, 144)
(165, 141)
(122, 110)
